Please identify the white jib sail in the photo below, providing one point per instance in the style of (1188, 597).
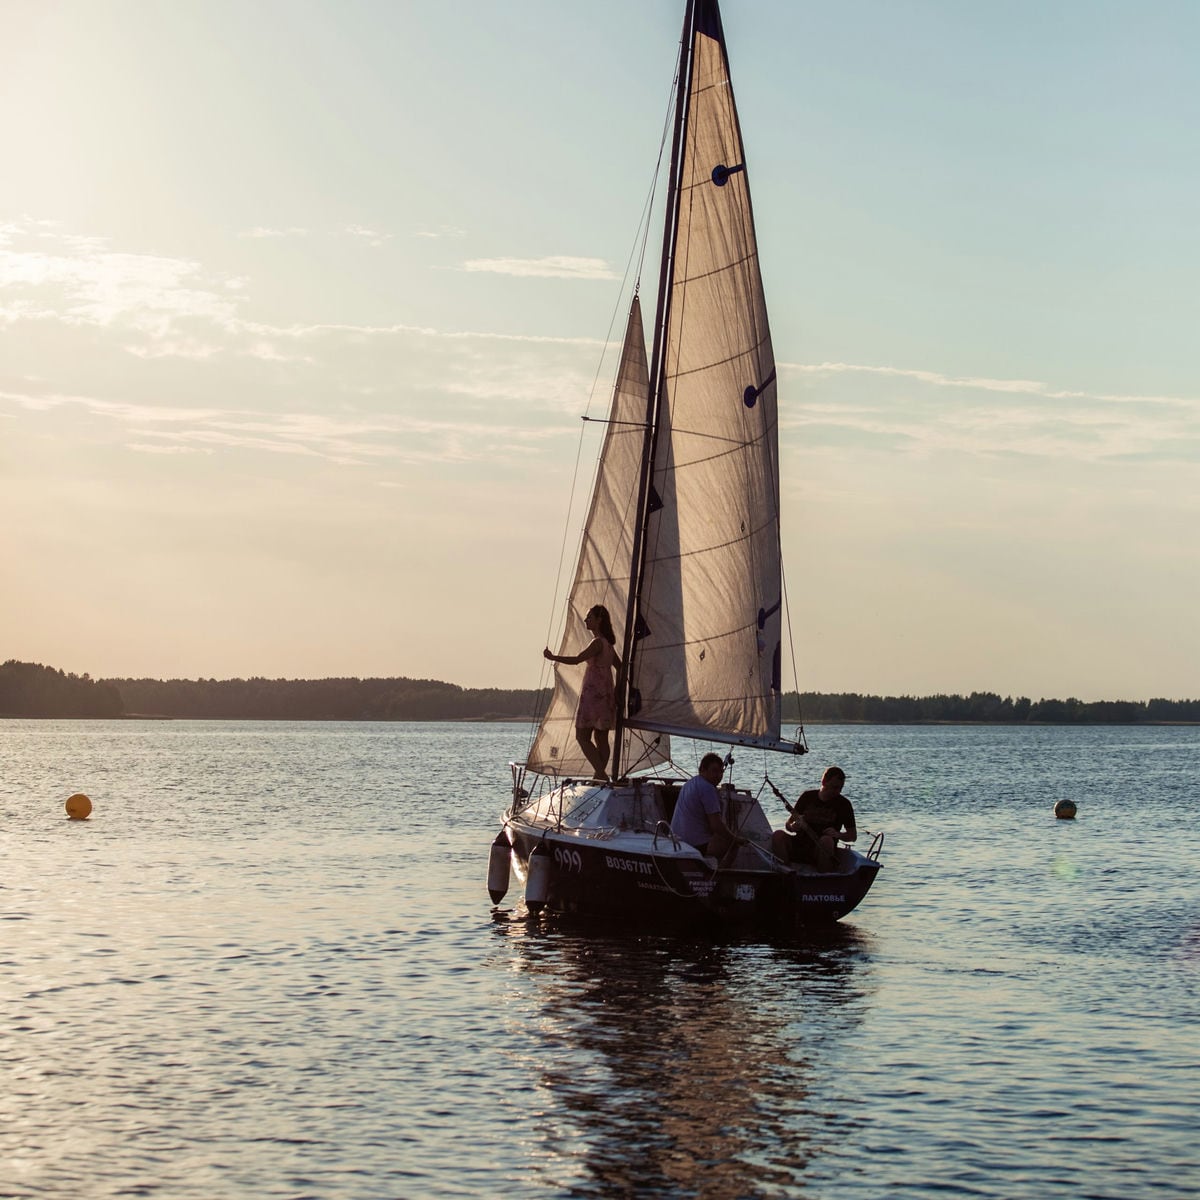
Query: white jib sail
(708, 658)
(602, 573)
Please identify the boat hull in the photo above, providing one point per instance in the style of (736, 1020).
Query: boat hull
(652, 882)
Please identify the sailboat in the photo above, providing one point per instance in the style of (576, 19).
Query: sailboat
(681, 544)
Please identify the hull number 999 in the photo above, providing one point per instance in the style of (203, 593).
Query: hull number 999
(568, 859)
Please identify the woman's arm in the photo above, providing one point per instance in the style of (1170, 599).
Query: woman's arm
(589, 651)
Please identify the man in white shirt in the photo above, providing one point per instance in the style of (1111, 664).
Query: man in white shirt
(698, 818)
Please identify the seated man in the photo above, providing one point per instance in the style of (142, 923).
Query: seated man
(698, 818)
(819, 819)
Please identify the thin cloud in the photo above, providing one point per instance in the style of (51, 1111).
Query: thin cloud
(160, 308)
(264, 231)
(371, 236)
(1029, 387)
(1034, 420)
(118, 410)
(80, 282)
(350, 439)
(102, 287)
(188, 348)
(147, 448)
(26, 310)
(422, 331)
(268, 352)
(553, 267)
(349, 442)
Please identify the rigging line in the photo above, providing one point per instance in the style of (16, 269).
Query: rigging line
(637, 559)
(668, 122)
(647, 749)
(638, 252)
(611, 423)
(644, 224)
(546, 675)
(679, 250)
(787, 612)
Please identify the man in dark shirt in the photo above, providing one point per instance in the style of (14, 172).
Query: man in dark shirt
(819, 819)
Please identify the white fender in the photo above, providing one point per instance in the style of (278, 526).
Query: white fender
(498, 867)
(537, 882)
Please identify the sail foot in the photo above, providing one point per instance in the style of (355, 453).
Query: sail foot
(724, 737)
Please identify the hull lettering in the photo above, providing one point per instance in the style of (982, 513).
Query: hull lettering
(615, 863)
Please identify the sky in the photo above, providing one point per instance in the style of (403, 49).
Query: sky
(301, 302)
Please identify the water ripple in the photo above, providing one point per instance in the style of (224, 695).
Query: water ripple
(266, 967)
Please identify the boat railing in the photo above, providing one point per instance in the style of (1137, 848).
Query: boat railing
(876, 846)
(629, 805)
(663, 829)
(529, 787)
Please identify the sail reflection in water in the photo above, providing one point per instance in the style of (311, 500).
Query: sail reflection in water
(687, 1068)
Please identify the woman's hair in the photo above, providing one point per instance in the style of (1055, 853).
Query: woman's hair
(606, 629)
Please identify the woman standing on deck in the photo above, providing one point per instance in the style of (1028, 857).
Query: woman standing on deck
(597, 712)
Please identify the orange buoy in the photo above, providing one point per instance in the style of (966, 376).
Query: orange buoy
(79, 807)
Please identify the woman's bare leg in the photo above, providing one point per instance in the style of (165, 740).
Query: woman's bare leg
(591, 751)
(602, 752)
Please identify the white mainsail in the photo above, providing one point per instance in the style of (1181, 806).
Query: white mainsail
(706, 657)
(602, 573)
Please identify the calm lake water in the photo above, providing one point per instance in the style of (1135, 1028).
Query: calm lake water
(268, 967)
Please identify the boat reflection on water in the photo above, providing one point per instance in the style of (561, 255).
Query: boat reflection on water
(670, 1067)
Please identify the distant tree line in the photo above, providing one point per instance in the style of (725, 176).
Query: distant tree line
(32, 690)
(983, 708)
(325, 700)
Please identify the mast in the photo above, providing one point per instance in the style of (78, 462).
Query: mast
(654, 397)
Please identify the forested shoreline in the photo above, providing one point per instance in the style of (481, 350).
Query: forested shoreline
(33, 690)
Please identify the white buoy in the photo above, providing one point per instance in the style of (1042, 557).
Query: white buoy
(537, 881)
(498, 867)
